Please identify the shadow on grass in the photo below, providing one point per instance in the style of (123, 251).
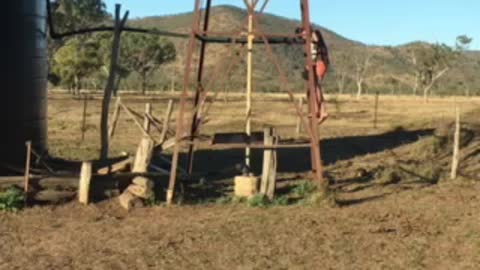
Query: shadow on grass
(220, 164)
(214, 169)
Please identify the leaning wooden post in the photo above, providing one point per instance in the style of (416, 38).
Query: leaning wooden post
(109, 88)
(250, 38)
(84, 116)
(272, 176)
(116, 115)
(84, 183)
(146, 120)
(298, 128)
(456, 144)
(27, 165)
(166, 121)
(375, 115)
(267, 159)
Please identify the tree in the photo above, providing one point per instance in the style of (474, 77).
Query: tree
(361, 61)
(412, 57)
(462, 46)
(76, 60)
(76, 14)
(144, 54)
(340, 69)
(433, 63)
(70, 15)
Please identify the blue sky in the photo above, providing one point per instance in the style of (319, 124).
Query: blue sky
(380, 22)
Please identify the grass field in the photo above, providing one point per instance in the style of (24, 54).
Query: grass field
(394, 207)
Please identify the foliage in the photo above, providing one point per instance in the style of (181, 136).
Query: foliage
(304, 189)
(76, 60)
(12, 200)
(69, 15)
(258, 200)
(143, 54)
(390, 69)
(75, 14)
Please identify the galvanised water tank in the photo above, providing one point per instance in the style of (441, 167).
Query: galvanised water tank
(23, 79)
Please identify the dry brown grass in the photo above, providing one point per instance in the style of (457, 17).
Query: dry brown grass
(349, 117)
(380, 222)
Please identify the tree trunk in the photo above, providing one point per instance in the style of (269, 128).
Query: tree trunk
(76, 88)
(109, 89)
(144, 83)
(359, 88)
(341, 83)
(416, 84)
(427, 89)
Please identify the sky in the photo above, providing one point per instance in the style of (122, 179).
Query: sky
(374, 22)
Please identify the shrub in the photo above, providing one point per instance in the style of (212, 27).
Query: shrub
(12, 200)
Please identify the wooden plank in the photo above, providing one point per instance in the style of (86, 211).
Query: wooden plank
(259, 146)
(236, 138)
(144, 155)
(84, 183)
(119, 166)
(140, 126)
(267, 161)
(168, 144)
(54, 196)
(116, 116)
(43, 182)
(154, 123)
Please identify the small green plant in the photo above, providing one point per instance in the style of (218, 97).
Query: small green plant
(224, 200)
(258, 200)
(304, 189)
(281, 201)
(152, 201)
(12, 200)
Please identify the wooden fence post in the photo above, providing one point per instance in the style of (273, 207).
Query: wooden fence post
(298, 128)
(456, 144)
(375, 116)
(84, 183)
(272, 175)
(267, 159)
(27, 165)
(84, 116)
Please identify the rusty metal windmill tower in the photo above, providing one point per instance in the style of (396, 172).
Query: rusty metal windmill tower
(200, 37)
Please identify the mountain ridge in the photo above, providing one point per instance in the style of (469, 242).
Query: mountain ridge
(388, 61)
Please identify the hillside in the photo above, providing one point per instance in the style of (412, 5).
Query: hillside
(390, 68)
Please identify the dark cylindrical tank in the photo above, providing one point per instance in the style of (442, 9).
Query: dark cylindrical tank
(23, 79)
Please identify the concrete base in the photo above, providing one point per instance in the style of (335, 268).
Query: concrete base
(246, 186)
